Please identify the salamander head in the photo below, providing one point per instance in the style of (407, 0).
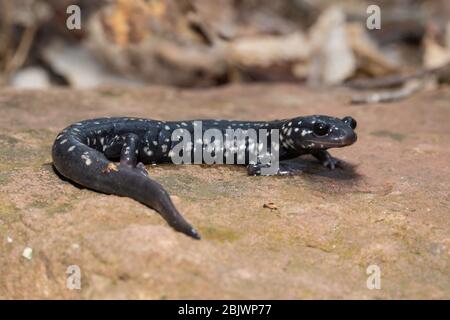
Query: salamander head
(319, 132)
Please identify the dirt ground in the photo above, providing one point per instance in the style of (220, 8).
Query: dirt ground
(389, 207)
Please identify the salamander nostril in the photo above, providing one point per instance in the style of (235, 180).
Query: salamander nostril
(321, 128)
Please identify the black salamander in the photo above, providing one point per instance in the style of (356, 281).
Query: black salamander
(85, 152)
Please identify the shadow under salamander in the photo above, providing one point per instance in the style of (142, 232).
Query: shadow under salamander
(298, 166)
(77, 185)
(306, 165)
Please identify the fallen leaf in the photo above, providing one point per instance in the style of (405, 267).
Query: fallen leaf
(270, 205)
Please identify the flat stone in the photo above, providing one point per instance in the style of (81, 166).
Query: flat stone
(389, 207)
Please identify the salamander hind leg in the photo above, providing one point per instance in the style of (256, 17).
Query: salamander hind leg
(130, 153)
(146, 190)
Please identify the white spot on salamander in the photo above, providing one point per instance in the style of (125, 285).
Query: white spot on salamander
(86, 159)
(71, 148)
(63, 141)
(148, 151)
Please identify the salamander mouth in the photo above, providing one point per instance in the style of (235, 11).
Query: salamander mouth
(348, 140)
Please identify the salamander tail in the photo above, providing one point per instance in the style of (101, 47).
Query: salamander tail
(98, 173)
(131, 182)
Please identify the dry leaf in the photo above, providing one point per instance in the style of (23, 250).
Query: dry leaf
(265, 50)
(435, 55)
(333, 60)
(270, 205)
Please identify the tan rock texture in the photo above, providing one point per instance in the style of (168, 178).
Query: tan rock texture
(389, 207)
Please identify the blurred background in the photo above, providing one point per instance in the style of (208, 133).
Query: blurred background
(201, 43)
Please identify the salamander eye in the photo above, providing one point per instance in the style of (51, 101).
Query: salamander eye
(350, 121)
(320, 128)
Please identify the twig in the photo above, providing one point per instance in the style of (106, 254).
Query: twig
(5, 36)
(392, 95)
(22, 51)
(396, 80)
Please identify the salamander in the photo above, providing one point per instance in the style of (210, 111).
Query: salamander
(109, 154)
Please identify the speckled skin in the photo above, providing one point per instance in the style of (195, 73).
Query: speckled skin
(84, 152)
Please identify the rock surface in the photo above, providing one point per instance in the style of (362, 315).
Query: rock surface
(389, 207)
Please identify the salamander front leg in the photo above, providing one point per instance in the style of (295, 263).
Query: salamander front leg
(130, 152)
(326, 159)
